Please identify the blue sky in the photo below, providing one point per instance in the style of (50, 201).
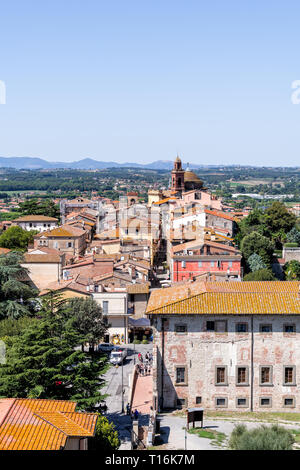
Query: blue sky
(143, 80)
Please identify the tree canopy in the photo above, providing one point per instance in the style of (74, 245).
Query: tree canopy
(292, 270)
(35, 207)
(257, 243)
(293, 236)
(278, 218)
(16, 297)
(87, 318)
(44, 361)
(274, 223)
(260, 275)
(15, 238)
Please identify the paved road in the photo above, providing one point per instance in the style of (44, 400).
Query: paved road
(113, 388)
(173, 433)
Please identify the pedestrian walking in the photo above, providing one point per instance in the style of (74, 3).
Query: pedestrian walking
(103, 408)
(136, 414)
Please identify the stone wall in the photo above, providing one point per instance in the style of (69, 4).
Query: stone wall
(289, 254)
(200, 351)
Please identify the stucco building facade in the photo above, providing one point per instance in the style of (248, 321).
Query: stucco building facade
(227, 345)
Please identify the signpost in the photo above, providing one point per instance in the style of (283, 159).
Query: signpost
(194, 414)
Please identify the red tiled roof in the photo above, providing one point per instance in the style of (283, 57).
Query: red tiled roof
(35, 218)
(247, 297)
(4, 251)
(223, 215)
(33, 424)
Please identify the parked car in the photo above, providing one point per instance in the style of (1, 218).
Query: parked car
(117, 356)
(106, 347)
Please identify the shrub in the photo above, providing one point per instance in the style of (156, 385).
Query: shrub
(262, 438)
(14, 327)
(144, 341)
(106, 437)
(291, 245)
(293, 236)
(238, 431)
(136, 341)
(256, 263)
(260, 275)
(292, 270)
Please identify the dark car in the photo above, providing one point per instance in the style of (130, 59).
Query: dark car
(106, 347)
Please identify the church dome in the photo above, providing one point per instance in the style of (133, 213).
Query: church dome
(191, 180)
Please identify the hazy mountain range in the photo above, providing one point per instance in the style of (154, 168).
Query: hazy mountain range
(31, 163)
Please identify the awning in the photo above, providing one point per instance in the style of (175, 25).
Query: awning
(144, 322)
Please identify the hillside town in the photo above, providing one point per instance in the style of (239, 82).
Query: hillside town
(198, 303)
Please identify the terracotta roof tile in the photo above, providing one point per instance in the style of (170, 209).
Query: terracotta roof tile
(62, 231)
(32, 424)
(35, 218)
(223, 215)
(274, 297)
(138, 288)
(42, 258)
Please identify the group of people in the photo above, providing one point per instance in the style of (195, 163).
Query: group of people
(145, 364)
(134, 414)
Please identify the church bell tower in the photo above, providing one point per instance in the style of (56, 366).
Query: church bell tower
(177, 175)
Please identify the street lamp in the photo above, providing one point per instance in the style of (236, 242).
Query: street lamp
(122, 390)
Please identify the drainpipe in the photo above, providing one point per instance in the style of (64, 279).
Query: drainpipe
(252, 369)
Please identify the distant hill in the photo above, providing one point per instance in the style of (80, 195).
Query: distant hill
(31, 163)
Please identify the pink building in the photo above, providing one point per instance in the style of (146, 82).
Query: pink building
(194, 258)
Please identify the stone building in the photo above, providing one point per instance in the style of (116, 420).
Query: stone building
(228, 345)
(80, 204)
(218, 219)
(66, 238)
(43, 268)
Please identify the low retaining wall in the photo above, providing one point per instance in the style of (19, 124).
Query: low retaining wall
(132, 383)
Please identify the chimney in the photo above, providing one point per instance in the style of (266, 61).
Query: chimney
(189, 292)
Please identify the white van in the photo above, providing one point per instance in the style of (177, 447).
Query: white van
(117, 356)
